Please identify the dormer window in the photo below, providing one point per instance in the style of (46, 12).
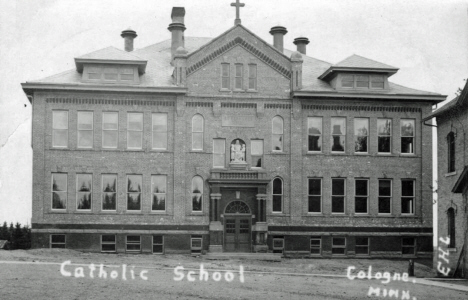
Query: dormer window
(110, 74)
(377, 82)
(362, 81)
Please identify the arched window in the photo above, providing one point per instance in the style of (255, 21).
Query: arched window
(197, 193)
(277, 191)
(451, 152)
(237, 207)
(277, 134)
(197, 132)
(451, 226)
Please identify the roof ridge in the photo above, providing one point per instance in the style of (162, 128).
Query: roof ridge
(123, 52)
(369, 59)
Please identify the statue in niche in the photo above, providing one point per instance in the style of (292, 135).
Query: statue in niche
(238, 151)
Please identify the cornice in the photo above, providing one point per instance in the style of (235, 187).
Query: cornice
(416, 97)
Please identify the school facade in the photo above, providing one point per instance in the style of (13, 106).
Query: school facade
(230, 144)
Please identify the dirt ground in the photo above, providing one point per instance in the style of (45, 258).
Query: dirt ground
(35, 274)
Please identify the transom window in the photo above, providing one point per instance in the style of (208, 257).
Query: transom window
(315, 195)
(338, 134)
(338, 195)
(134, 130)
(407, 136)
(361, 135)
(277, 191)
(407, 196)
(134, 183)
(84, 191)
(110, 129)
(60, 128)
(277, 134)
(158, 188)
(59, 190)
(384, 132)
(160, 131)
(315, 133)
(109, 192)
(237, 207)
(85, 129)
(361, 199)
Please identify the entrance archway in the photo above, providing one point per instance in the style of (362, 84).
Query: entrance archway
(237, 224)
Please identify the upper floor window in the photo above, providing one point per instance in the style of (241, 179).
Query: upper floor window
(315, 133)
(159, 131)
(60, 128)
(219, 153)
(277, 192)
(59, 190)
(109, 192)
(84, 191)
(252, 77)
(384, 132)
(407, 196)
(134, 184)
(257, 153)
(363, 81)
(110, 129)
(110, 74)
(239, 77)
(361, 199)
(451, 152)
(225, 76)
(385, 196)
(158, 189)
(134, 130)
(85, 129)
(197, 193)
(277, 134)
(338, 195)
(407, 136)
(197, 132)
(315, 195)
(338, 134)
(361, 134)
(377, 82)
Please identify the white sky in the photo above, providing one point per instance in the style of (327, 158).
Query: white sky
(427, 40)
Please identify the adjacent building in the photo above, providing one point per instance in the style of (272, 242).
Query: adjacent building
(230, 144)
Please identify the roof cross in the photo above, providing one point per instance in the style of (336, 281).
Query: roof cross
(238, 5)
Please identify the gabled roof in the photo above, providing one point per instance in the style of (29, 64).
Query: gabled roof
(455, 103)
(462, 182)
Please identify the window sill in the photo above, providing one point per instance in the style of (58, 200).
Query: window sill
(224, 90)
(451, 174)
(338, 153)
(314, 152)
(160, 150)
(278, 153)
(136, 212)
(408, 154)
(361, 153)
(161, 213)
(83, 211)
(110, 212)
(452, 249)
(198, 151)
(385, 153)
(252, 91)
(58, 211)
(197, 214)
(314, 214)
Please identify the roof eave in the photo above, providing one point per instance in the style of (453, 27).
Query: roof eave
(462, 182)
(331, 71)
(79, 62)
(433, 98)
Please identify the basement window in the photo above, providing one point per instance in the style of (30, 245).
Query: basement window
(158, 244)
(57, 241)
(362, 245)
(315, 245)
(278, 244)
(133, 243)
(408, 246)
(338, 246)
(108, 243)
(196, 244)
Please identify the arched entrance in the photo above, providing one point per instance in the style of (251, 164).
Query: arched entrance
(237, 224)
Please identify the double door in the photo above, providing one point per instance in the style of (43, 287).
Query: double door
(237, 233)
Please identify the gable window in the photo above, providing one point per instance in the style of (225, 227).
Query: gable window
(159, 131)
(407, 136)
(277, 195)
(451, 152)
(315, 195)
(197, 193)
(408, 245)
(133, 243)
(134, 183)
(362, 245)
(197, 132)
(338, 135)
(109, 192)
(134, 130)
(252, 77)
(59, 191)
(338, 195)
(108, 243)
(225, 76)
(338, 245)
(315, 134)
(377, 82)
(277, 134)
(361, 199)
(384, 132)
(158, 188)
(110, 129)
(316, 245)
(58, 241)
(85, 129)
(219, 153)
(60, 128)
(257, 153)
(158, 244)
(407, 196)
(84, 191)
(451, 226)
(361, 134)
(385, 196)
(239, 76)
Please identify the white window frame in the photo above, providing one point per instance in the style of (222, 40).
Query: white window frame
(316, 238)
(413, 150)
(339, 135)
(110, 130)
(155, 194)
(309, 121)
(361, 196)
(109, 243)
(141, 193)
(320, 195)
(153, 115)
(384, 196)
(51, 243)
(55, 129)
(273, 133)
(405, 197)
(52, 192)
(103, 193)
(252, 155)
(133, 130)
(202, 132)
(253, 78)
(367, 136)
(78, 130)
(201, 192)
(240, 78)
(388, 136)
(132, 243)
(280, 195)
(339, 246)
(78, 192)
(344, 196)
(154, 244)
(222, 153)
(228, 76)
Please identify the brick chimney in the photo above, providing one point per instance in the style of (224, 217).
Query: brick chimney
(278, 33)
(128, 36)
(177, 28)
(301, 43)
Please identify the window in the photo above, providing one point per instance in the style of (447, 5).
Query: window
(338, 136)
(239, 75)
(58, 241)
(134, 130)
(110, 74)
(407, 136)
(362, 245)
(252, 77)
(160, 131)
(197, 132)
(451, 152)
(158, 188)
(338, 246)
(59, 191)
(94, 73)
(385, 196)
(408, 246)
(108, 243)
(196, 244)
(85, 129)
(384, 132)
(315, 133)
(158, 244)
(338, 195)
(347, 81)
(407, 196)
(315, 195)
(134, 183)
(133, 243)
(257, 153)
(316, 245)
(127, 74)
(225, 77)
(362, 81)
(277, 134)
(377, 82)
(110, 129)
(361, 196)
(361, 134)
(219, 153)
(109, 192)
(451, 226)
(60, 128)
(84, 191)
(277, 195)
(197, 193)
(278, 244)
